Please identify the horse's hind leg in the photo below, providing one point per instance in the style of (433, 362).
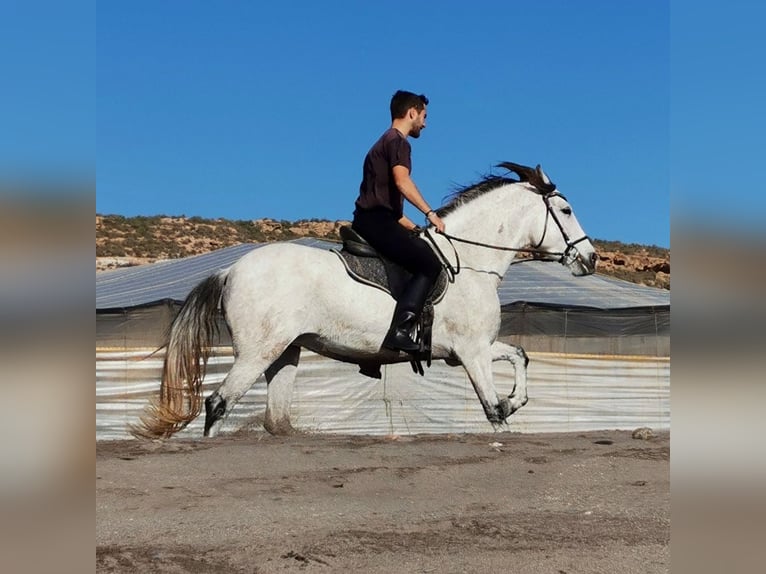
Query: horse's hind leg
(280, 377)
(241, 377)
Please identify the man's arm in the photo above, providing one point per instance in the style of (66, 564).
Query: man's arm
(412, 194)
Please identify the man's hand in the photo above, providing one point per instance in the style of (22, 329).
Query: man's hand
(436, 221)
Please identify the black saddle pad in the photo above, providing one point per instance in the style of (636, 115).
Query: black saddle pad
(386, 275)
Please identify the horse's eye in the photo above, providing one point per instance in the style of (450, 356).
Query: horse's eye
(567, 211)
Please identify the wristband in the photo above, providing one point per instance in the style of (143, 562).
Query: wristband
(429, 212)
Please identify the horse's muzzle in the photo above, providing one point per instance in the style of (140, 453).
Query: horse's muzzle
(574, 260)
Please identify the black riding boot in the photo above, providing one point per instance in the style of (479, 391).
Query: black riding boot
(406, 315)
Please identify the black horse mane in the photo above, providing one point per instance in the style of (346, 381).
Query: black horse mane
(470, 192)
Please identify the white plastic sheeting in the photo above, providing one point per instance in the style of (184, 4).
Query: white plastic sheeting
(531, 282)
(567, 393)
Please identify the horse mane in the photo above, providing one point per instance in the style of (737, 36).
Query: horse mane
(463, 195)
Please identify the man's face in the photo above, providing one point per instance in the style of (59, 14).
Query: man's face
(419, 121)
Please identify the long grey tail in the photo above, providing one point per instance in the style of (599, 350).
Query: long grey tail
(187, 349)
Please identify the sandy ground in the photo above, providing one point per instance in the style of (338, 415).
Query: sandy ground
(552, 503)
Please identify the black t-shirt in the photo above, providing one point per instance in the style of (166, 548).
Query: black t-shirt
(378, 189)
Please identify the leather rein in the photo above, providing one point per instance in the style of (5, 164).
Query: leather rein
(569, 254)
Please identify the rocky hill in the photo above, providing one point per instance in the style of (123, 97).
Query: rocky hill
(127, 241)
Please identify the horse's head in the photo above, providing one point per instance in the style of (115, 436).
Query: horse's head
(561, 235)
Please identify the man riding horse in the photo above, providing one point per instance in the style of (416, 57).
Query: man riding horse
(379, 215)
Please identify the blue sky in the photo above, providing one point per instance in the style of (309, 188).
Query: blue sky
(637, 109)
(246, 110)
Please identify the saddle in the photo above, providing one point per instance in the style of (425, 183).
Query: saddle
(365, 265)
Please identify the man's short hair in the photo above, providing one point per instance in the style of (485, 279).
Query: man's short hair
(402, 101)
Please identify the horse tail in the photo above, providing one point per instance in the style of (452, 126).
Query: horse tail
(187, 349)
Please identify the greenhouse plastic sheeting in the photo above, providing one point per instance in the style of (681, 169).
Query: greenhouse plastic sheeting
(529, 281)
(566, 393)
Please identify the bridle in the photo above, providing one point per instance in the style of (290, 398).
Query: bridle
(566, 257)
(571, 253)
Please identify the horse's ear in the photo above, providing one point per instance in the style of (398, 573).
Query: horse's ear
(542, 174)
(536, 176)
(544, 182)
(524, 172)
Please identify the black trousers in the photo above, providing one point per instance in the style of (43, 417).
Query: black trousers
(382, 230)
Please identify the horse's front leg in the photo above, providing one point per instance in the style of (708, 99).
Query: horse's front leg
(478, 365)
(519, 359)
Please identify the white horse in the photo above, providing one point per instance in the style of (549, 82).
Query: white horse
(283, 296)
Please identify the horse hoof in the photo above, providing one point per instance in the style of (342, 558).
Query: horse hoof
(215, 408)
(501, 412)
(504, 409)
(516, 403)
(281, 427)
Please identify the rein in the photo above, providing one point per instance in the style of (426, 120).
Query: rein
(562, 255)
(497, 247)
(451, 271)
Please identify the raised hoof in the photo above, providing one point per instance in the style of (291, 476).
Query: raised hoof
(215, 409)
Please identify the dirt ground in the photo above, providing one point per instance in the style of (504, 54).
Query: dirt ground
(552, 503)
